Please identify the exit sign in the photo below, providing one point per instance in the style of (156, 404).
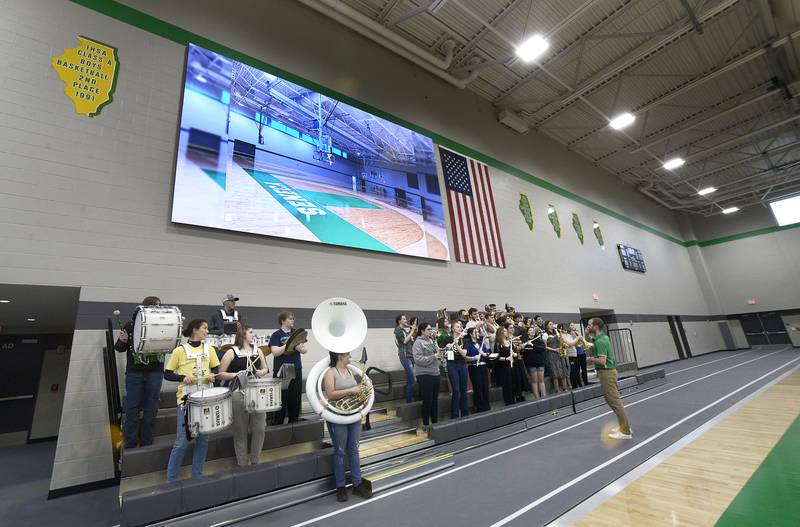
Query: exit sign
(751, 301)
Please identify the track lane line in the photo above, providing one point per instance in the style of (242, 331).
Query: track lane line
(634, 448)
(517, 447)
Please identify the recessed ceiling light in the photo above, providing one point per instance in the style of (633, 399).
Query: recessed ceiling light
(595, 225)
(621, 121)
(550, 210)
(730, 210)
(5, 301)
(532, 48)
(675, 162)
(707, 190)
(31, 320)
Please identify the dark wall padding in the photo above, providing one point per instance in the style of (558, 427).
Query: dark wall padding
(160, 502)
(153, 458)
(413, 411)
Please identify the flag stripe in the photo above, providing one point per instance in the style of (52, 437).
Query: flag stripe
(494, 214)
(470, 215)
(489, 220)
(452, 225)
(461, 230)
(477, 217)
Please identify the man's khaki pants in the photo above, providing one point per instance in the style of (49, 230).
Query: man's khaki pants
(608, 382)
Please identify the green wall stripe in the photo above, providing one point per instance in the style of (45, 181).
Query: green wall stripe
(181, 36)
(770, 495)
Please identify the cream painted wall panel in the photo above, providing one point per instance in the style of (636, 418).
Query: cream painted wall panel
(765, 267)
(653, 342)
(83, 451)
(47, 414)
(739, 338)
(703, 337)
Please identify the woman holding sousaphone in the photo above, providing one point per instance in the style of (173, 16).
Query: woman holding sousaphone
(338, 391)
(240, 363)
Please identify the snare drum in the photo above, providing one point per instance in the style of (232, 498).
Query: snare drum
(262, 395)
(209, 411)
(157, 329)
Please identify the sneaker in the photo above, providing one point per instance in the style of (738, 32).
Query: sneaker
(363, 489)
(341, 494)
(619, 435)
(616, 429)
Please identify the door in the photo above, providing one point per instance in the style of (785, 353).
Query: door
(753, 330)
(774, 328)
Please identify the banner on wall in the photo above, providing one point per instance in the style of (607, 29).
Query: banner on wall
(525, 209)
(473, 217)
(89, 72)
(576, 224)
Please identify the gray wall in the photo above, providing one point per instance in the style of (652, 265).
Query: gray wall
(86, 202)
(764, 267)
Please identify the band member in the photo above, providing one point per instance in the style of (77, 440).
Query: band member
(572, 340)
(404, 336)
(143, 377)
(558, 373)
(519, 373)
(244, 358)
(443, 327)
(290, 397)
(426, 368)
(581, 350)
(606, 367)
(338, 382)
(533, 352)
(457, 371)
(539, 321)
(477, 355)
(193, 366)
(228, 314)
(503, 364)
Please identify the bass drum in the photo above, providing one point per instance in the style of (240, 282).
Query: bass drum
(157, 329)
(262, 395)
(209, 411)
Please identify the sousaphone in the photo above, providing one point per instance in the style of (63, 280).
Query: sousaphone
(340, 326)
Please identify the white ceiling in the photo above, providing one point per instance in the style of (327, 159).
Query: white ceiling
(713, 81)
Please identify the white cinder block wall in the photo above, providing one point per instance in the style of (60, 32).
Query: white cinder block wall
(86, 202)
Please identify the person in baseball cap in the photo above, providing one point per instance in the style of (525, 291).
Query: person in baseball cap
(228, 313)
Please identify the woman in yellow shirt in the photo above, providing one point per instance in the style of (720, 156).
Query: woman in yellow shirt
(193, 366)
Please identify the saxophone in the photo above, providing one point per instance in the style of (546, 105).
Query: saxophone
(349, 403)
(562, 345)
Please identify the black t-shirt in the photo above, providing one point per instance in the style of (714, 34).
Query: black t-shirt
(456, 355)
(533, 353)
(136, 361)
(279, 338)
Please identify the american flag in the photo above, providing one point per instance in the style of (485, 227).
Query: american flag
(473, 218)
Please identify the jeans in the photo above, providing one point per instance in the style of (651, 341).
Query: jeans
(291, 400)
(179, 449)
(429, 393)
(408, 365)
(345, 443)
(142, 389)
(457, 373)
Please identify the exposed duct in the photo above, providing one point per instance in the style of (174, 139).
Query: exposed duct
(351, 18)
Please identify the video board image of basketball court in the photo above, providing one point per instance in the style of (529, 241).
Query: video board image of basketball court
(263, 155)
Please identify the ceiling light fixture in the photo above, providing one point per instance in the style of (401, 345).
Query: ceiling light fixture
(675, 162)
(730, 210)
(621, 121)
(31, 320)
(706, 191)
(5, 301)
(532, 48)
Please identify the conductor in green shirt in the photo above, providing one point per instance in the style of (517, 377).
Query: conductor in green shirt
(606, 368)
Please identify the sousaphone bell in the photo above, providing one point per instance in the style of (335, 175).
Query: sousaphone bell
(340, 326)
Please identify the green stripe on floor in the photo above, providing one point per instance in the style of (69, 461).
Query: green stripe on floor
(769, 498)
(324, 224)
(216, 176)
(337, 200)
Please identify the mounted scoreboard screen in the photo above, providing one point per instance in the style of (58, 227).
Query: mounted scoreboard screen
(631, 258)
(260, 154)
